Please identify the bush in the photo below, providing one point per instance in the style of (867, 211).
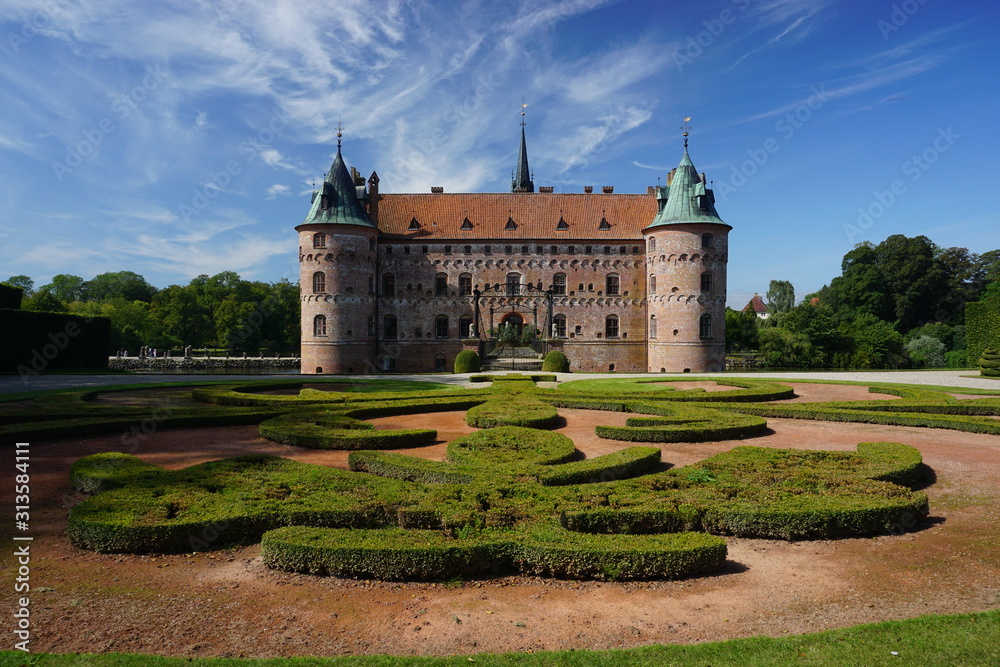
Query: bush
(926, 352)
(619, 465)
(555, 362)
(519, 410)
(989, 363)
(466, 361)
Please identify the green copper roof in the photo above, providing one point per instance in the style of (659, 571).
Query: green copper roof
(522, 178)
(687, 198)
(337, 203)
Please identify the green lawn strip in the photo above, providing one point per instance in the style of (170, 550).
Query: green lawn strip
(970, 640)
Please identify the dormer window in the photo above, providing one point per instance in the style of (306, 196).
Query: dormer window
(605, 225)
(414, 225)
(466, 224)
(511, 225)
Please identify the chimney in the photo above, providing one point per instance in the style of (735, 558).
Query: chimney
(608, 189)
(437, 189)
(588, 189)
(546, 188)
(650, 190)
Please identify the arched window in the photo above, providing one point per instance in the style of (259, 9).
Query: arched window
(441, 326)
(560, 325)
(706, 282)
(389, 326)
(508, 250)
(319, 282)
(588, 249)
(388, 284)
(465, 326)
(319, 240)
(319, 325)
(524, 250)
(467, 250)
(487, 250)
(652, 243)
(440, 363)
(559, 284)
(513, 284)
(612, 285)
(611, 326)
(707, 241)
(465, 284)
(652, 326)
(652, 284)
(705, 326)
(554, 250)
(441, 284)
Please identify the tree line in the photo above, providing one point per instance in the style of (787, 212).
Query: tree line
(898, 304)
(219, 312)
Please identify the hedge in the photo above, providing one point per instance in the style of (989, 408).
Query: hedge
(466, 361)
(47, 341)
(318, 429)
(982, 326)
(511, 447)
(746, 390)
(619, 465)
(684, 424)
(517, 411)
(989, 363)
(555, 362)
(408, 468)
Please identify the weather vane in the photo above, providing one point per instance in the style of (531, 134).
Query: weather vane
(687, 129)
(523, 107)
(340, 132)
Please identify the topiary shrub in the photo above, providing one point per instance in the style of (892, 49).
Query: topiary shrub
(989, 363)
(466, 361)
(555, 362)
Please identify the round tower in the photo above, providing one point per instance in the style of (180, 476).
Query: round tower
(687, 250)
(337, 256)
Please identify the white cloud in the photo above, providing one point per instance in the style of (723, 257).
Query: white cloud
(278, 189)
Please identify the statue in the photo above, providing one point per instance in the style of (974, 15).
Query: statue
(472, 330)
(555, 330)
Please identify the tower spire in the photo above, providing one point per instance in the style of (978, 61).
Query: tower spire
(686, 129)
(522, 177)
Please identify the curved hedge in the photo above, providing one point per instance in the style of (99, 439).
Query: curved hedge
(512, 411)
(466, 361)
(619, 465)
(319, 429)
(989, 363)
(684, 424)
(511, 446)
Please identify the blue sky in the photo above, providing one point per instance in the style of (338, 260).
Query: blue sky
(181, 138)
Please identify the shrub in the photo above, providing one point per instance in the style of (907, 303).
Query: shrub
(512, 411)
(926, 352)
(619, 465)
(466, 361)
(555, 362)
(989, 363)
(320, 429)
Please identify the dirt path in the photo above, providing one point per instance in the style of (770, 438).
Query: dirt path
(227, 603)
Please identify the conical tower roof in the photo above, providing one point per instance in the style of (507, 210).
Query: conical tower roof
(522, 177)
(336, 202)
(687, 198)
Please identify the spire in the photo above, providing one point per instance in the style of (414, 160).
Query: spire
(336, 202)
(687, 198)
(522, 177)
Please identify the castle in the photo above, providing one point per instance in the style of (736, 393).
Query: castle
(618, 282)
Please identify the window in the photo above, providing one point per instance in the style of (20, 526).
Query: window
(652, 326)
(588, 249)
(652, 284)
(635, 250)
(652, 243)
(539, 250)
(487, 250)
(559, 284)
(467, 250)
(706, 281)
(612, 285)
(572, 250)
(560, 326)
(465, 284)
(707, 241)
(319, 240)
(623, 250)
(607, 250)
(465, 326)
(554, 250)
(513, 284)
(319, 325)
(705, 326)
(371, 325)
(466, 224)
(524, 250)
(371, 284)
(389, 327)
(371, 244)
(508, 250)
(447, 250)
(319, 282)
(441, 284)
(388, 250)
(388, 284)
(425, 249)
(440, 363)
(441, 326)
(406, 250)
(611, 326)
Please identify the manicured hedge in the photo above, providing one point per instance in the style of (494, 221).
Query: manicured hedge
(620, 465)
(982, 326)
(513, 377)
(48, 341)
(512, 411)
(821, 413)
(317, 429)
(466, 361)
(746, 390)
(555, 362)
(511, 448)
(684, 424)
(989, 363)
(398, 466)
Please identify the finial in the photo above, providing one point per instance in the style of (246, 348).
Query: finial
(340, 132)
(523, 107)
(686, 129)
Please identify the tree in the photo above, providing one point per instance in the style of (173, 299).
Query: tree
(44, 301)
(66, 287)
(118, 285)
(876, 344)
(819, 325)
(780, 348)
(26, 284)
(926, 352)
(860, 289)
(914, 280)
(780, 296)
(741, 330)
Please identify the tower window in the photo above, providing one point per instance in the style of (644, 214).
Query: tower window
(652, 284)
(319, 325)
(441, 326)
(612, 285)
(388, 284)
(706, 282)
(707, 241)
(611, 326)
(389, 327)
(705, 326)
(465, 284)
(319, 282)
(441, 284)
(652, 326)
(559, 284)
(319, 240)
(560, 325)
(652, 243)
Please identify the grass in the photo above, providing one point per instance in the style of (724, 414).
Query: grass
(969, 640)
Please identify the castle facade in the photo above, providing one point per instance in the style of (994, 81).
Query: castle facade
(618, 282)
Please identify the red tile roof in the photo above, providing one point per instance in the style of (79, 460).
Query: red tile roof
(756, 305)
(535, 216)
